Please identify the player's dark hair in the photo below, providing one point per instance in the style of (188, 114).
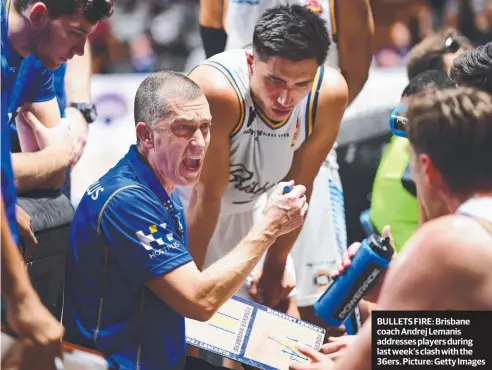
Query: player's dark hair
(153, 93)
(454, 128)
(427, 80)
(474, 68)
(93, 11)
(428, 54)
(291, 32)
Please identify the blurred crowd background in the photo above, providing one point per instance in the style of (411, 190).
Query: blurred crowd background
(148, 35)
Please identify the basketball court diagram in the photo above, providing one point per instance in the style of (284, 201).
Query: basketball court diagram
(253, 334)
(274, 339)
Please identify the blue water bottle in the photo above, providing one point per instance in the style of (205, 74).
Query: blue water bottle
(347, 290)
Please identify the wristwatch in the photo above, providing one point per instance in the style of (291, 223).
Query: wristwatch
(88, 110)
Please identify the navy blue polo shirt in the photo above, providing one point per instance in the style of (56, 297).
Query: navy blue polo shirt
(23, 80)
(121, 237)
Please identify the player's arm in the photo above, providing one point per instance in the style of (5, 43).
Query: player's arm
(43, 169)
(455, 242)
(355, 33)
(309, 157)
(78, 87)
(212, 31)
(166, 267)
(204, 207)
(26, 315)
(459, 282)
(78, 77)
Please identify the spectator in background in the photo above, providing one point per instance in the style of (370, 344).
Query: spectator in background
(399, 24)
(474, 68)
(472, 17)
(436, 51)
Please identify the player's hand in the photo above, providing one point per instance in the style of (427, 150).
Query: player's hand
(352, 250)
(59, 137)
(271, 286)
(80, 131)
(285, 212)
(39, 332)
(336, 346)
(319, 360)
(24, 223)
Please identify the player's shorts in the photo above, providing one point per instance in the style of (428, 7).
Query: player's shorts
(231, 228)
(323, 238)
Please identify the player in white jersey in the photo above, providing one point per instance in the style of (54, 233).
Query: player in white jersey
(229, 24)
(319, 247)
(446, 265)
(276, 113)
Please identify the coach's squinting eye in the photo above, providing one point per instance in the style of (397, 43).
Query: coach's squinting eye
(205, 128)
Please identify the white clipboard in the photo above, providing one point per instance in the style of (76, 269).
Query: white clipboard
(255, 335)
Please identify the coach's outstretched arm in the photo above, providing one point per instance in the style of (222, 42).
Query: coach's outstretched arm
(204, 208)
(355, 32)
(305, 166)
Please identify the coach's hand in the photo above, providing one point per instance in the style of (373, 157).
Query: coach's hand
(286, 212)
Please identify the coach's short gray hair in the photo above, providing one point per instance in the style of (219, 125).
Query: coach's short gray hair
(151, 100)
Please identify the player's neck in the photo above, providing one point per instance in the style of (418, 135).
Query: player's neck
(18, 32)
(453, 203)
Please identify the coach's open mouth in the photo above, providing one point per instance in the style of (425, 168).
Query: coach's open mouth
(192, 163)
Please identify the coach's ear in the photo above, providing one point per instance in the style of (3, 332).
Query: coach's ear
(144, 135)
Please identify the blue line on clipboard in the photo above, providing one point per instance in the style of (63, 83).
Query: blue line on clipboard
(295, 340)
(291, 353)
(229, 316)
(288, 351)
(218, 327)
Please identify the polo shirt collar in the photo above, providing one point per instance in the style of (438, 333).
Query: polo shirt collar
(146, 175)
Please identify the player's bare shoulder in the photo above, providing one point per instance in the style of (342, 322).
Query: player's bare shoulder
(461, 246)
(221, 95)
(332, 99)
(333, 90)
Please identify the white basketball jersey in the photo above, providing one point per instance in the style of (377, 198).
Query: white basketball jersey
(261, 150)
(241, 16)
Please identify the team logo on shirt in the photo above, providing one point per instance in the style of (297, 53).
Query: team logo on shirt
(315, 6)
(296, 133)
(156, 240)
